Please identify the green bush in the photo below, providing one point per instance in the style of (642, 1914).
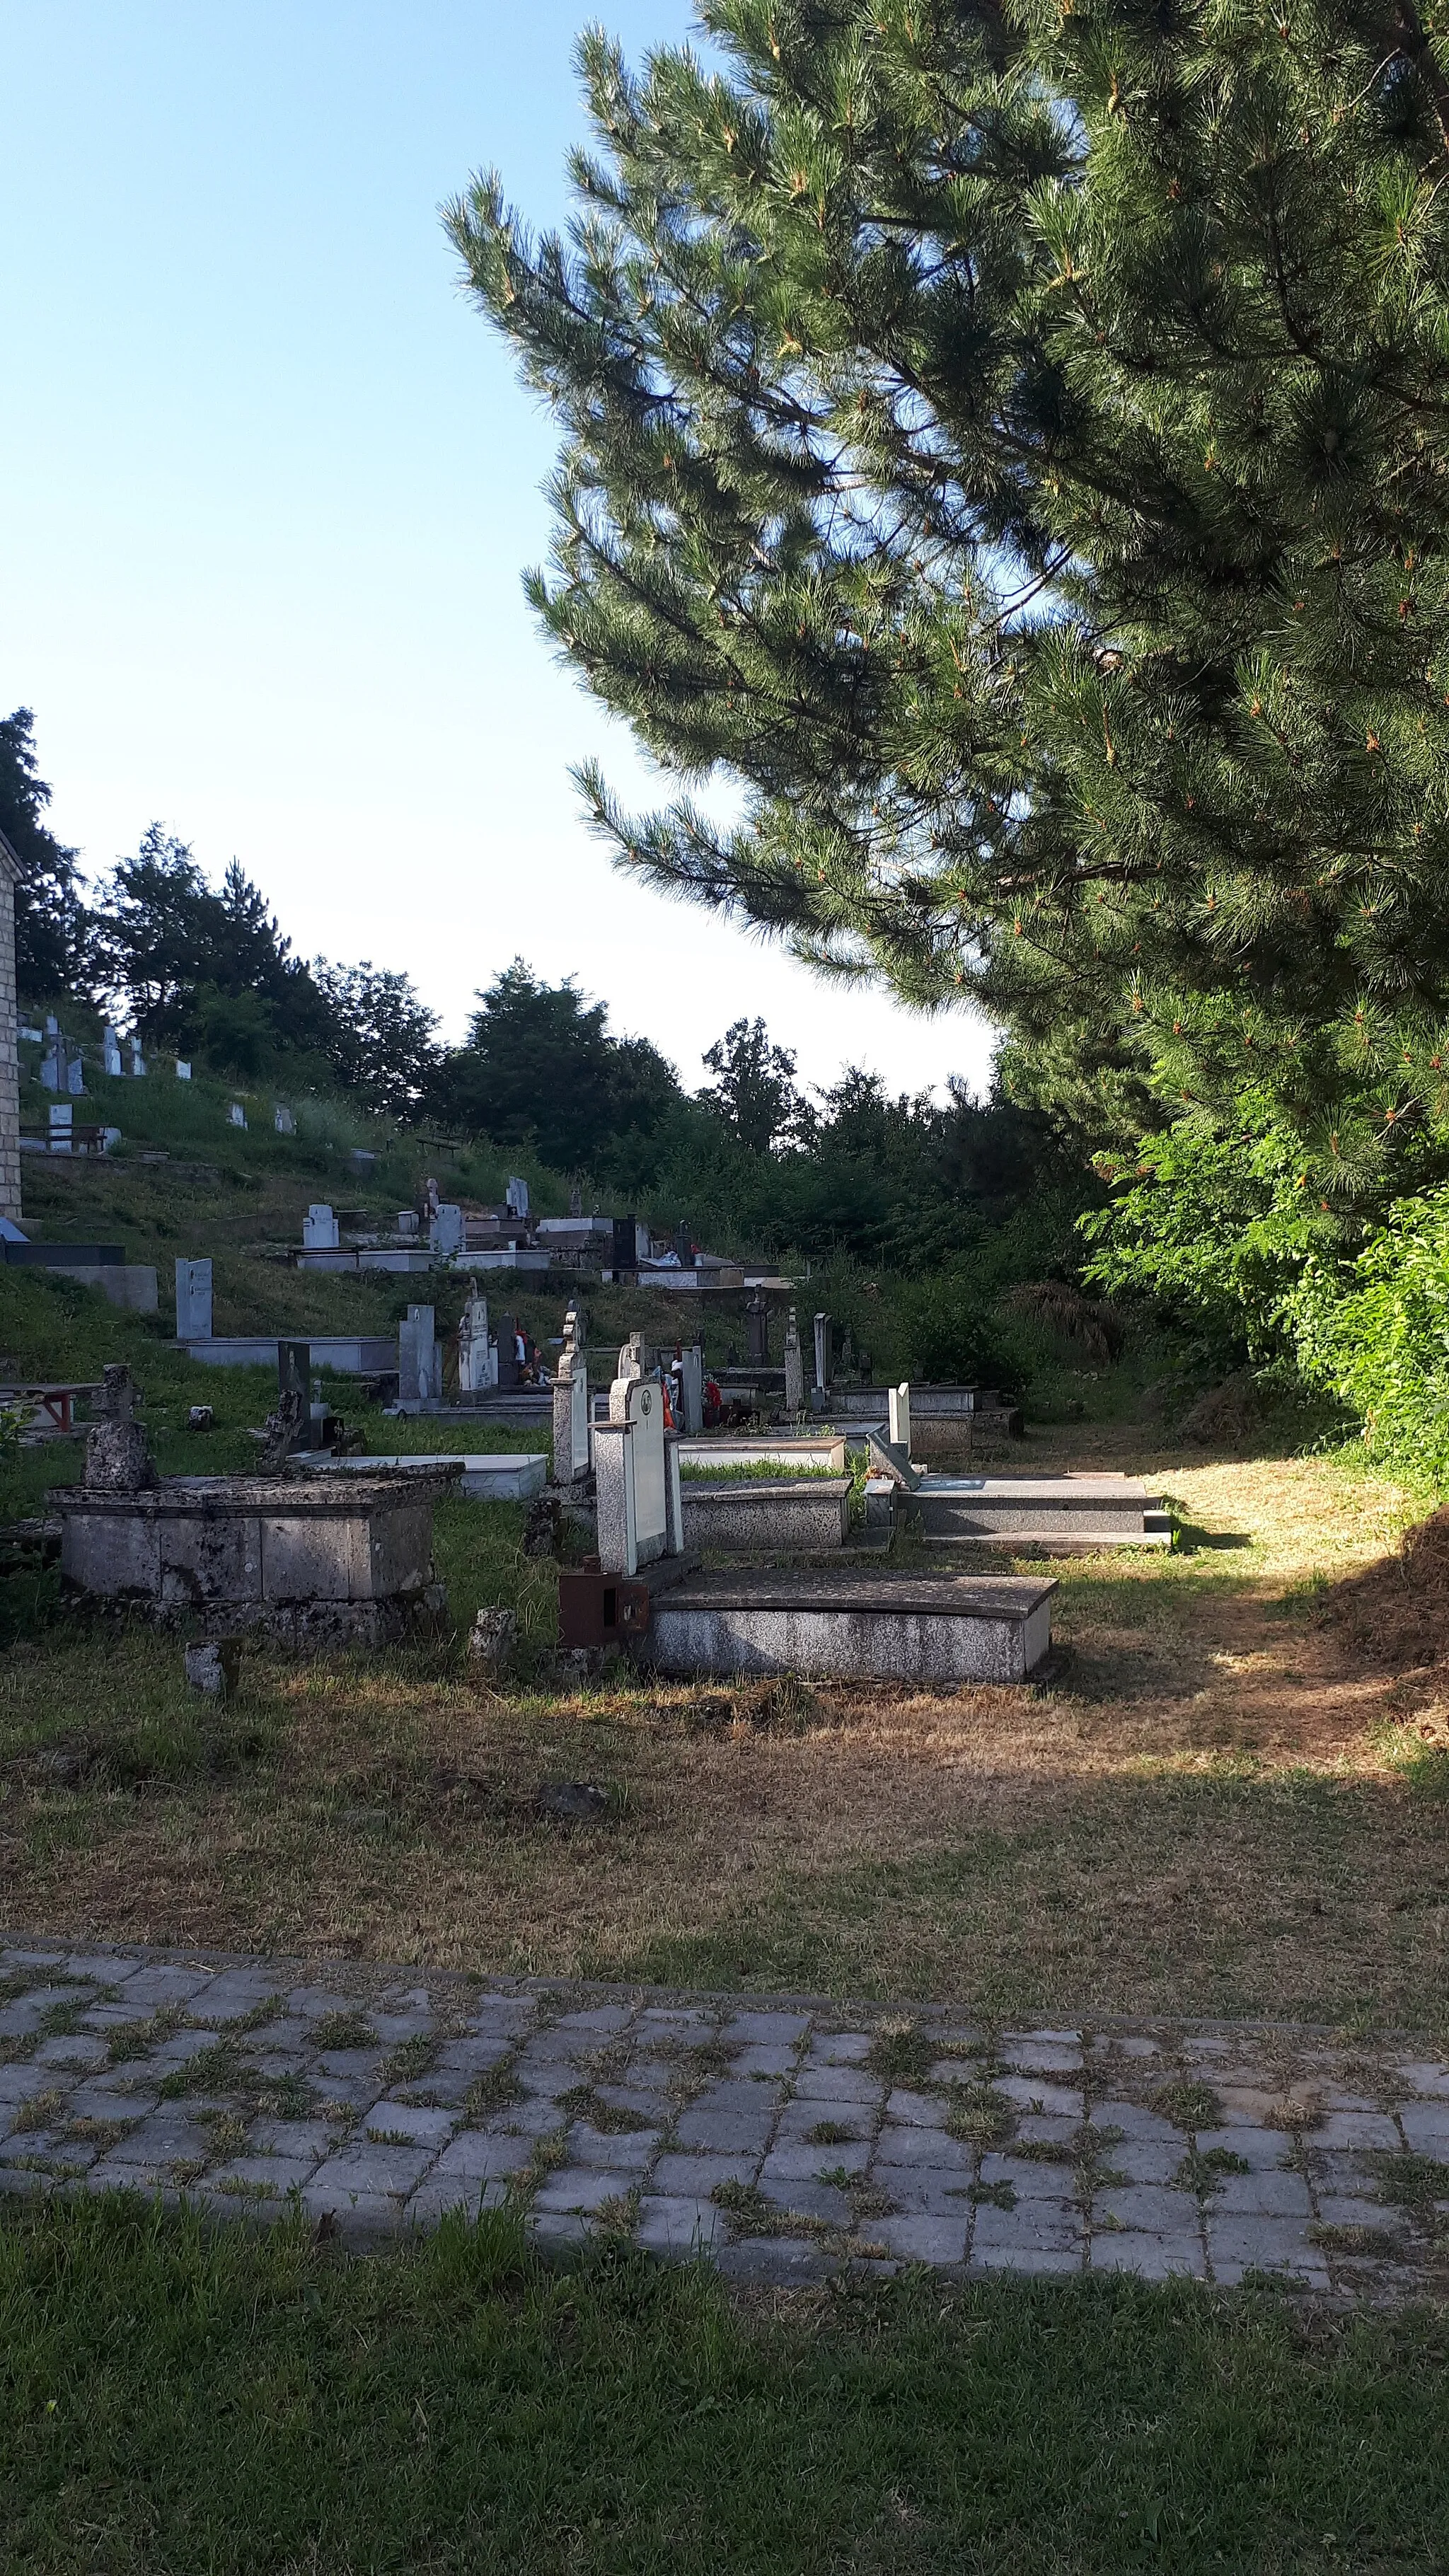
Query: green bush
(1379, 1338)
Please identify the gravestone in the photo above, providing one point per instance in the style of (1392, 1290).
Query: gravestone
(419, 1361)
(684, 1246)
(757, 1321)
(183, 1070)
(477, 1354)
(294, 1373)
(576, 1201)
(847, 1354)
(626, 1248)
(111, 1051)
(689, 1369)
(636, 1470)
(283, 1121)
(571, 1405)
(407, 1223)
(138, 1061)
(319, 1228)
(515, 1197)
(61, 1125)
(50, 1067)
(117, 1458)
(822, 1354)
(236, 1115)
(445, 1230)
(75, 1080)
(899, 1401)
(794, 1366)
(193, 1301)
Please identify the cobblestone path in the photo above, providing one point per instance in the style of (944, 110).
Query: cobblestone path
(784, 2138)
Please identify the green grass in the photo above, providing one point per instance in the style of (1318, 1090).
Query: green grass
(176, 2401)
(750, 1471)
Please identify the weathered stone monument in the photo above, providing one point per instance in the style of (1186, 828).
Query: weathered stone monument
(445, 1230)
(571, 1405)
(757, 1326)
(193, 1301)
(283, 1121)
(822, 1354)
(9, 1040)
(899, 1410)
(320, 1231)
(515, 1197)
(636, 1471)
(794, 1366)
(236, 1114)
(117, 1458)
(111, 1052)
(689, 1372)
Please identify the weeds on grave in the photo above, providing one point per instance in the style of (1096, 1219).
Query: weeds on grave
(1188, 2105)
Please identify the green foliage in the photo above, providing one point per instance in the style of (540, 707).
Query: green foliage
(51, 925)
(754, 1086)
(1378, 1338)
(540, 1068)
(1006, 446)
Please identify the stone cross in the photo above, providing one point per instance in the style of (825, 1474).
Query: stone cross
(117, 1458)
(193, 1301)
(794, 1366)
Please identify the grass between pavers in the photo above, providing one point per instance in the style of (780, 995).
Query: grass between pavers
(178, 2398)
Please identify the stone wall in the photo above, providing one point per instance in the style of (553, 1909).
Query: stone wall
(9, 1040)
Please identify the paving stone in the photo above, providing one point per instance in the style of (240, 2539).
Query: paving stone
(231, 1996)
(538, 2118)
(1028, 2179)
(369, 2169)
(674, 2225)
(798, 2118)
(582, 2187)
(599, 2023)
(392, 2120)
(1042, 2052)
(921, 2110)
(676, 2022)
(472, 2056)
(1426, 2126)
(1108, 2044)
(678, 2177)
(452, 2195)
(165, 2137)
(1046, 2128)
(922, 2236)
(1426, 2074)
(1264, 2195)
(838, 2084)
(1038, 2226)
(346, 2092)
(1146, 2159)
(918, 2191)
(557, 2232)
(786, 2259)
(772, 2030)
(478, 2155)
(760, 2058)
(1341, 2209)
(151, 1988)
(654, 2108)
(547, 2079)
(351, 2065)
(77, 2052)
(840, 2047)
(905, 2146)
(292, 2138)
(807, 2199)
(1240, 2244)
(99, 2099)
(312, 2003)
(725, 2137)
(1265, 2150)
(360, 2217)
(627, 2151)
(1356, 2129)
(799, 2163)
(1148, 2209)
(989, 2256)
(271, 2177)
(1038, 2093)
(1135, 2121)
(1152, 2258)
(178, 2050)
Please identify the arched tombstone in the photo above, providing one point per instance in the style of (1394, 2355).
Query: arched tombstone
(636, 1469)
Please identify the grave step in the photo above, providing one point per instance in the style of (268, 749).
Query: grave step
(1070, 1511)
(924, 1629)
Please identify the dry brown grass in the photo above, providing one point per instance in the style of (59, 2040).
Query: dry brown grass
(1208, 1811)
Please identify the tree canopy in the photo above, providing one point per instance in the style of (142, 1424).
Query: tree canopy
(539, 1066)
(1010, 442)
(50, 914)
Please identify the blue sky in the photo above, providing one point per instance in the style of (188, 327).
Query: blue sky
(270, 483)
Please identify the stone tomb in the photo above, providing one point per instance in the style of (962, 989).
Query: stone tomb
(345, 1560)
(1062, 1515)
(930, 1630)
(762, 1516)
(489, 1476)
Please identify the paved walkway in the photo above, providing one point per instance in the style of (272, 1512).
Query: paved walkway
(786, 2138)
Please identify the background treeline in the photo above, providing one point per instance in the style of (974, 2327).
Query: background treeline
(749, 1160)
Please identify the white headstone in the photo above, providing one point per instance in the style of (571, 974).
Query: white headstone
(183, 1070)
(319, 1228)
(445, 1231)
(111, 1051)
(51, 1067)
(420, 1373)
(193, 1301)
(571, 1405)
(477, 1351)
(283, 1121)
(515, 1197)
(691, 1389)
(900, 1412)
(236, 1115)
(75, 1077)
(61, 1118)
(138, 1061)
(640, 1515)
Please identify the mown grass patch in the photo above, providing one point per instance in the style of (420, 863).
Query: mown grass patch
(176, 2398)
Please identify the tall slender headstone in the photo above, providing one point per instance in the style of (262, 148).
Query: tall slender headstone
(822, 1354)
(419, 1361)
(636, 1470)
(445, 1230)
(477, 1352)
(757, 1322)
(690, 1371)
(899, 1401)
(138, 1061)
(515, 1197)
(283, 1121)
(111, 1051)
(193, 1301)
(794, 1365)
(571, 1405)
(9, 1040)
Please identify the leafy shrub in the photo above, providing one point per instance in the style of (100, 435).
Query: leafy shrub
(1379, 1340)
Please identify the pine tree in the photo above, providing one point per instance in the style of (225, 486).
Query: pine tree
(1011, 442)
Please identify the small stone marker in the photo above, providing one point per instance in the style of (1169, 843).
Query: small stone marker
(111, 1051)
(283, 1121)
(193, 1301)
(407, 1221)
(492, 1638)
(477, 1351)
(183, 1070)
(319, 1228)
(899, 1404)
(214, 1669)
(794, 1366)
(117, 1458)
(138, 1061)
(236, 1115)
